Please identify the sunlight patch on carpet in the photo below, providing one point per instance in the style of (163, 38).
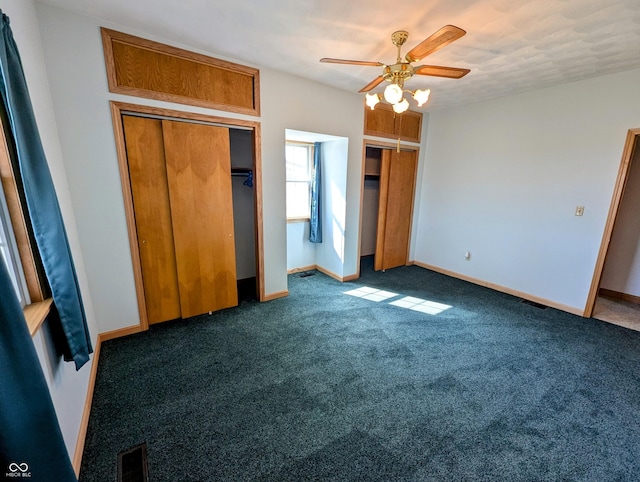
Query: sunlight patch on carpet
(372, 294)
(408, 302)
(424, 306)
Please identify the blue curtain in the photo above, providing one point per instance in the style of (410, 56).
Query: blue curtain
(30, 437)
(315, 231)
(42, 203)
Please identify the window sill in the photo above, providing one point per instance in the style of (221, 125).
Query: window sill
(36, 313)
(297, 220)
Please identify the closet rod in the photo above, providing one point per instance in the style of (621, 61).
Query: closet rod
(244, 171)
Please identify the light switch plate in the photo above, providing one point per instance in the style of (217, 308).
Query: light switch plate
(579, 210)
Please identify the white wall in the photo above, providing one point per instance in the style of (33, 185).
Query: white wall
(301, 253)
(502, 180)
(421, 180)
(68, 388)
(330, 254)
(75, 64)
(622, 268)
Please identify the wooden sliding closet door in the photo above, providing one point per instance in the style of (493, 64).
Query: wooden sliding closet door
(150, 191)
(397, 186)
(199, 173)
(180, 176)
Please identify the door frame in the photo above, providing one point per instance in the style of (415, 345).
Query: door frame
(120, 108)
(633, 139)
(386, 145)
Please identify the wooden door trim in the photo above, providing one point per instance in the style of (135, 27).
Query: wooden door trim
(383, 145)
(120, 108)
(633, 136)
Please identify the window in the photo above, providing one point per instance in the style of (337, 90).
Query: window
(299, 161)
(10, 255)
(19, 252)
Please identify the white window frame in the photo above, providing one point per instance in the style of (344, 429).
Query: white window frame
(296, 217)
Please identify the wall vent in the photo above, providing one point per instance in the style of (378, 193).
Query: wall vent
(132, 464)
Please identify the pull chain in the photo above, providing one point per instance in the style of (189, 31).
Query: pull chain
(399, 130)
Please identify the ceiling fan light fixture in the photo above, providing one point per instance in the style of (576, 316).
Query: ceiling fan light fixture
(372, 100)
(403, 70)
(401, 106)
(421, 96)
(393, 94)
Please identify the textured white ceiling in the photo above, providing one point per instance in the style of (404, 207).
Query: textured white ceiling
(511, 46)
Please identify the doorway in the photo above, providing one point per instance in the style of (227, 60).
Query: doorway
(247, 172)
(388, 188)
(615, 288)
(327, 256)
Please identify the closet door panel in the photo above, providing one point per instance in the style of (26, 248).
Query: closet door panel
(378, 260)
(397, 186)
(148, 177)
(199, 178)
(402, 171)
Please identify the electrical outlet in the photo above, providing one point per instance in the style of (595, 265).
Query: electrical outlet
(579, 210)
(467, 255)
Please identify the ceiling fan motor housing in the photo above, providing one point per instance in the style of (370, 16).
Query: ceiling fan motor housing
(398, 73)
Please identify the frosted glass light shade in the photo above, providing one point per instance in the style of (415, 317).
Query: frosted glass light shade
(421, 96)
(393, 93)
(372, 100)
(401, 106)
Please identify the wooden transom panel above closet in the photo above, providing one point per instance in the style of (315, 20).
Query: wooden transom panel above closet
(180, 176)
(384, 122)
(141, 67)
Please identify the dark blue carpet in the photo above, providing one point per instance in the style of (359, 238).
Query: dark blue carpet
(325, 386)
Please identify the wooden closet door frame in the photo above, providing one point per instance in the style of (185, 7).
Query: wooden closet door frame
(386, 145)
(120, 108)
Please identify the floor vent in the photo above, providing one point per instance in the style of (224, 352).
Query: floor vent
(307, 273)
(132, 464)
(533, 303)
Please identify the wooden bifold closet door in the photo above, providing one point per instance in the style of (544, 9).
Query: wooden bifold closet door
(180, 176)
(395, 208)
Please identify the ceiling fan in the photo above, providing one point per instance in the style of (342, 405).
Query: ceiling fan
(403, 69)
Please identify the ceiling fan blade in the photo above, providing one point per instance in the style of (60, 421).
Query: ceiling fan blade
(373, 84)
(437, 71)
(351, 62)
(443, 37)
